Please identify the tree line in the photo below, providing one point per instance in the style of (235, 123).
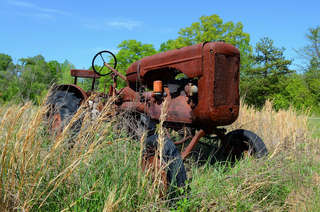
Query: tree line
(265, 72)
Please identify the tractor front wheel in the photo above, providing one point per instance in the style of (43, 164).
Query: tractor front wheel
(240, 142)
(170, 171)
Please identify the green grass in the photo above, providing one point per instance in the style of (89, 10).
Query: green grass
(314, 124)
(111, 177)
(256, 185)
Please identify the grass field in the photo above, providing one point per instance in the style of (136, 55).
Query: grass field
(101, 172)
(314, 123)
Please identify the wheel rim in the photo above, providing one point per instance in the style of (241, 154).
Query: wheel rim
(56, 123)
(152, 165)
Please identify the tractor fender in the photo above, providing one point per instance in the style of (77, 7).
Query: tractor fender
(79, 92)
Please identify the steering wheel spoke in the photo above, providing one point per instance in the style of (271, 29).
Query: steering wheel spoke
(102, 58)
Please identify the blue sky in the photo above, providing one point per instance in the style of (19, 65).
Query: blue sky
(76, 30)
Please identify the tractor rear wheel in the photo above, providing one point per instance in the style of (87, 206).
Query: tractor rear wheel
(62, 106)
(172, 172)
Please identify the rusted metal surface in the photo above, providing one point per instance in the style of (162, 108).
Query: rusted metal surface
(207, 113)
(83, 73)
(115, 71)
(183, 140)
(178, 110)
(56, 124)
(127, 94)
(153, 166)
(187, 60)
(193, 142)
(73, 88)
(179, 59)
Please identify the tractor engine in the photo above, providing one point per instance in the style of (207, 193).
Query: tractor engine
(201, 83)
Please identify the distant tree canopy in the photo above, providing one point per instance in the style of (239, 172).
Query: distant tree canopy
(265, 72)
(312, 70)
(269, 60)
(29, 79)
(8, 79)
(131, 51)
(263, 80)
(5, 62)
(35, 76)
(271, 78)
(312, 51)
(212, 28)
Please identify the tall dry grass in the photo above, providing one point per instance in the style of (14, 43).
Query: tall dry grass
(34, 164)
(156, 170)
(280, 130)
(286, 180)
(102, 169)
(98, 167)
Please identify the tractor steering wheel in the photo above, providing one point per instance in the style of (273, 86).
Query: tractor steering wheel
(100, 59)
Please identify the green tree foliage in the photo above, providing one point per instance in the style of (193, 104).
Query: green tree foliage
(269, 60)
(129, 52)
(8, 78)
(64, 72)
(312, 70)
(311, 52)
(27, 80)
(212, 28)
(5, 62)
(36, 76)
(294, 93)
(265, 79)
(312, 78)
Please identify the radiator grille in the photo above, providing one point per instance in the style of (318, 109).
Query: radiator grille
(226, 79)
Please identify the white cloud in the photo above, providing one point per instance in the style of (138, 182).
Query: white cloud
(21, 4)
(129, 25)
(31, 6)
(43, 16)
(114, 24)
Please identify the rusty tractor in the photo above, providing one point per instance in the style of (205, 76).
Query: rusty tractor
(200, 84)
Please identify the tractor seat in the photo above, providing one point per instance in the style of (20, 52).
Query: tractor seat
(84, 73)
